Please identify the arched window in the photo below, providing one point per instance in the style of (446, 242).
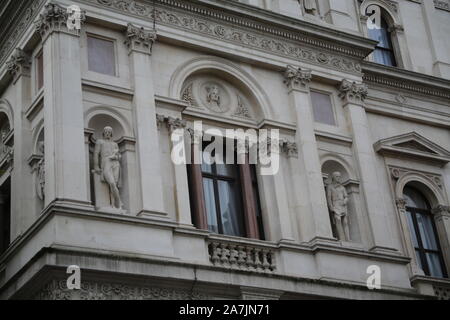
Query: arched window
(423, 234)
(384, 51)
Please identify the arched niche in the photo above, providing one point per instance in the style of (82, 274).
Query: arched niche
(7, 111)
(101, 116)
(330, 165)
(191, 80)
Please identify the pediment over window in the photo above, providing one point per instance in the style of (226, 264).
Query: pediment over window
(413, 146)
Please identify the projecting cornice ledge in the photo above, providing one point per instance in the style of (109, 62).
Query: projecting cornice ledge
(396, 78)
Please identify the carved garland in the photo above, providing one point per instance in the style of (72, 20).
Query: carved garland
(225, 32)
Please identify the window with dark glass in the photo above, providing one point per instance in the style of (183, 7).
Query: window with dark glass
(227, 190)
(5, 215)
(423, 234)
(384, 52)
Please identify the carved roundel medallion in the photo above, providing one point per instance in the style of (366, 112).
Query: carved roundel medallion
(215, 97)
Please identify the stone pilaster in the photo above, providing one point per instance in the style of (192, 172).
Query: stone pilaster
(353, 95)
(21, 202)
(311, 204)
(140, 42)
(65, 153)
(176, 129)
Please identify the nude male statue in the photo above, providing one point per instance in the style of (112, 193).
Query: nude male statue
(337, 199)
(107, 164)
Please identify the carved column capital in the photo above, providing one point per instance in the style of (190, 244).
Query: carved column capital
(290, 148)
(160, 119)
(140, 39)
(353, 92)
(19, 64)
(396, 28)
(175, 123)
(297, 78)
(401, 204)
(441, 211)
(56, 18)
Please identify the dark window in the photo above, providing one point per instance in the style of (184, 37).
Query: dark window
(423, 234)
(229, 201)
(384, 52)
(101, 56)
(40, 70)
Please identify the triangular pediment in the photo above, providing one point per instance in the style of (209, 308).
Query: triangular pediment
(414, 146)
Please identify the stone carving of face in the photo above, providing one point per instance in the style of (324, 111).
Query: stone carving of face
(337, 177)
(108, 133)
(214, 94)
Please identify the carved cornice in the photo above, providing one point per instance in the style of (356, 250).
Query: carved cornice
(353, 92)
(140, 39)
(54, 19)
(19, 64)
(243, 31)
(405, 80)
(297, 78)
(10, 41)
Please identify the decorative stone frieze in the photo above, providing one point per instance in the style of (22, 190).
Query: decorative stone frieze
(26, 19)
(55, 19)
(140, 39)
(239, 33)
(19, 64)
(353, 92)
(241, 256)
(297, 78)
(57, 290)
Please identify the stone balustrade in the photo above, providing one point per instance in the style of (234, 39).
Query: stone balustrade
(242, 256)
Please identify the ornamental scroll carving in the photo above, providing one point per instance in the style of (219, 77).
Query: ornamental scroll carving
(57, 290)
(239, 36)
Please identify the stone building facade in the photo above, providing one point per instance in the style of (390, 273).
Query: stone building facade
(89, 118)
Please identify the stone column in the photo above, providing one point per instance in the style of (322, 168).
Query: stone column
(65, 158)
(140, 42)
(176, 131)
(353, 95)
(442, 220)
(315, 219)
(407, 241)
(21, 202)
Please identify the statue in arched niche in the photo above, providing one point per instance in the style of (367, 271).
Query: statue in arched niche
(107, 160)
(337, 199)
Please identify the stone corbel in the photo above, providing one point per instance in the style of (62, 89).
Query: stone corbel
(19, 64)
(353, 92)
(140, 39)
(56, 18)
(297, 78)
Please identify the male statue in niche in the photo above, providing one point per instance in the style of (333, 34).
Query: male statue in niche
(337, 199)
(107, 165)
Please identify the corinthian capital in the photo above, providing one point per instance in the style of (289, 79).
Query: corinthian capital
(140, 39)
(353, 92)
(296, 78)
(175, 123)
(19, 64)
(56, 18)
(441, 211)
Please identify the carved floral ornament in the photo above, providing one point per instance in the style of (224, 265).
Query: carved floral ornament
(297, 78)
(19, 62)
(54, 18)
(140, 39)
(353, 91)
